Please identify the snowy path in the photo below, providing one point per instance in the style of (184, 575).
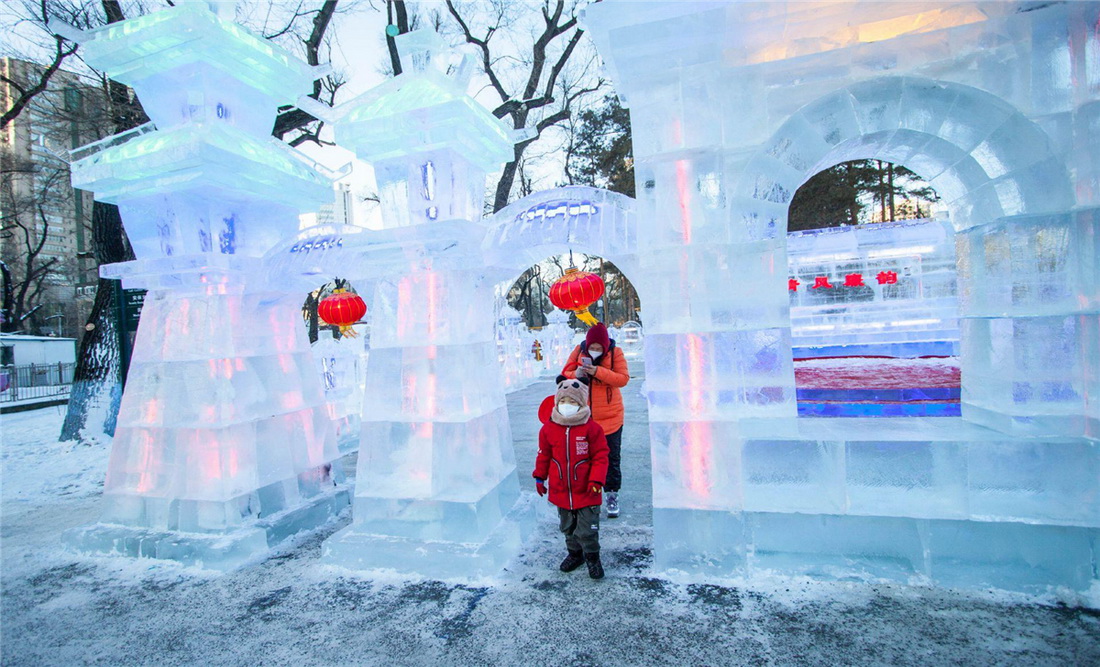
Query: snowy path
(61, 609)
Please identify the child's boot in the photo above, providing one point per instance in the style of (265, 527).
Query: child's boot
(595, 567)
(611, 499)
(574, 560)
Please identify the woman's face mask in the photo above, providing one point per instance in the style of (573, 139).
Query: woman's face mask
(568, 409)
(595, 352)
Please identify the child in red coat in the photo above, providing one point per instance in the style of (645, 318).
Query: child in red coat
(573, 456)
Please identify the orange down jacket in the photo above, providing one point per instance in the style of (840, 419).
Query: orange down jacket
(604, 396)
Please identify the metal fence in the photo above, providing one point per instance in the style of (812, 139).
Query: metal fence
(20, 383)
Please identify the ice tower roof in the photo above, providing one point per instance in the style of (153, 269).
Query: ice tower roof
(423, 109)
(186, 156)
(141, 48)
(420, 112)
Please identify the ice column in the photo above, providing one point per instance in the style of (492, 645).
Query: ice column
(436, 475)
(717, 348)
(223, 446)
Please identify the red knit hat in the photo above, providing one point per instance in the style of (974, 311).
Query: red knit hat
(597, 335)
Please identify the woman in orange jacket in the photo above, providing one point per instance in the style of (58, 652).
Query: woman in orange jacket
(600, 364)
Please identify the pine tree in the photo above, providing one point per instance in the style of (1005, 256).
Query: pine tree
(849, 193)
(600, 153)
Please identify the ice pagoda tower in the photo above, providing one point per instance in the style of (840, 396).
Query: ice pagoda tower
(223, 446)
(436, 483)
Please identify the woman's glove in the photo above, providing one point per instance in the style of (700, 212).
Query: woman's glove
(540, 487)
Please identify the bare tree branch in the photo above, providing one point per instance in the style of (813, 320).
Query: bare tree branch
(483, 45)
(292, 118)
(541, 81)
(298, 13)
(61, 52)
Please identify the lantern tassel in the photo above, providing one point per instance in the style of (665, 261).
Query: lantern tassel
(584, 316)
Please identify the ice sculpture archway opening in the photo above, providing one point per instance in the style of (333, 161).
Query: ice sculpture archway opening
(986, 159)
(554, 222)
(874, 312)
(535, 342)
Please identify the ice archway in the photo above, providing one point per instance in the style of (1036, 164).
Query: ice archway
(555, 221)
(986, 159)
(995, 170)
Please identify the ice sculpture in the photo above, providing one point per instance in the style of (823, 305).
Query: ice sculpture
(886, 289)
(223, 446)
(558, 340)
(629, 338)
(515, 347)
(436, 488)
(735, 105)
(341, 365)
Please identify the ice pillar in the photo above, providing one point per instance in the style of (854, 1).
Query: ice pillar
(223, 447)
(435, 484)
(712, 268)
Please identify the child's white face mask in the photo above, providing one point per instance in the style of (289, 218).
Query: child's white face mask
(568, 409)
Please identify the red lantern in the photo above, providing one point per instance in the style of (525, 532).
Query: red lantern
(576, 291)
(342, 309)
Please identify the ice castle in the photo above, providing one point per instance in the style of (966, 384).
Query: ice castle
(733, 106)
(224, 445)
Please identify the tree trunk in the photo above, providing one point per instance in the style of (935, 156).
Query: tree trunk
(312, 302)
(6, 315)
(881, 192)
(853, 203)
(507, 179)
(402, 22)
(97, 382)
(890, 184)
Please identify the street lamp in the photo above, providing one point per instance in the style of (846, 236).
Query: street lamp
(60, 325)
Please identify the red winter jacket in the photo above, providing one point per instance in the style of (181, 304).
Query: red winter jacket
(571, 470)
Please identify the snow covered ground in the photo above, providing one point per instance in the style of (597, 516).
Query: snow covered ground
(59, 608)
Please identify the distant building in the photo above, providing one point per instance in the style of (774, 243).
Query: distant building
(341, 211)
(45, 223)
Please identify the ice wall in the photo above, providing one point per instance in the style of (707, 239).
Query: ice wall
(514, 349)
(223, 446)
(734, 106)
(558, 340)
(629, 338)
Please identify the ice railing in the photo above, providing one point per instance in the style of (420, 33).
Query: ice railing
(87, 150)
(332, 175)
